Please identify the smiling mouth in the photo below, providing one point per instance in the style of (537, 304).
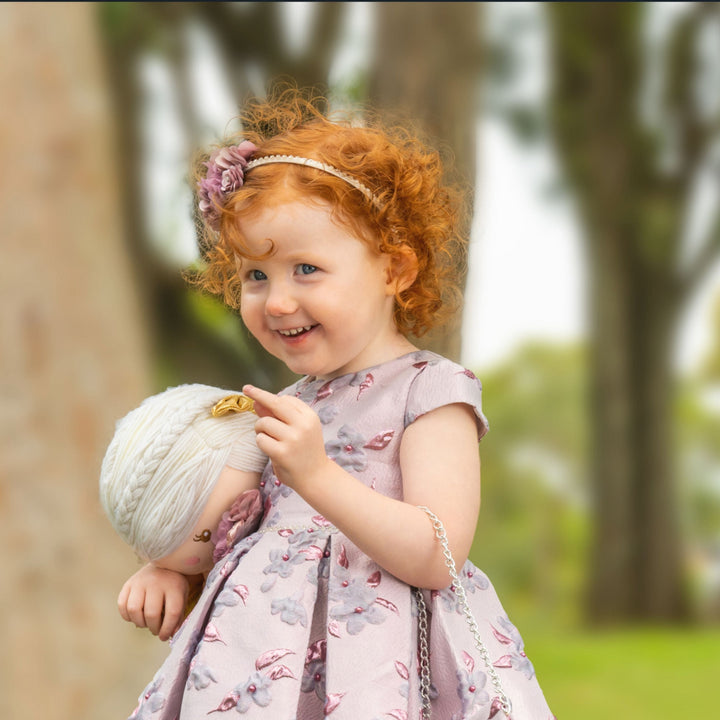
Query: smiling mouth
(294, 332)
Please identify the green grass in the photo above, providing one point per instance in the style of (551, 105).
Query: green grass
(643, 674)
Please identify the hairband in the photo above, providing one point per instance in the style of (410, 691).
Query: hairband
(226, 170)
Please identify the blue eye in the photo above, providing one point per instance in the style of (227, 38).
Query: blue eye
(306, 269)
(257, 275)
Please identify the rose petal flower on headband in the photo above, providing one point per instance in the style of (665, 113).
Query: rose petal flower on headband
(225, 174)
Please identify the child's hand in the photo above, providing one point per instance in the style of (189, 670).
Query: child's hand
(155, 598)
(290, 434)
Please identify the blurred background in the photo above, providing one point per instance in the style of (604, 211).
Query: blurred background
(590, 133)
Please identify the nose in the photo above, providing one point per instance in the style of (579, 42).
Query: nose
(280, 299)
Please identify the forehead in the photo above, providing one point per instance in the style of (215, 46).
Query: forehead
(294, 222)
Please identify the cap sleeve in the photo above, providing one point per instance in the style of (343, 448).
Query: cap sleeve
(442, 382)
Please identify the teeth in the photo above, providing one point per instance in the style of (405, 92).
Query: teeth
(295, 331)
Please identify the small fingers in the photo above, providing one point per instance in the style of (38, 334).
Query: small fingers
(283, 407)
(133, 609)
(153, 610)
(122, 602)
(272, 427)
(173, 615)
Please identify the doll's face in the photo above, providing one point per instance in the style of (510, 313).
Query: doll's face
(194, 556)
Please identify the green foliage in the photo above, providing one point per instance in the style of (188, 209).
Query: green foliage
(534, 526)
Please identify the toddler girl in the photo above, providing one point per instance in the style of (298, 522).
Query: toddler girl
(335, 241)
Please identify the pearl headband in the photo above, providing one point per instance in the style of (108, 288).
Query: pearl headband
(226, 170)
(309, 162)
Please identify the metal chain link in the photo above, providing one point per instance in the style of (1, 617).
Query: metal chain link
(462, 599)
(424, 655)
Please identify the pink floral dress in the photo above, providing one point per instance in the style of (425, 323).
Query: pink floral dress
(296, 623)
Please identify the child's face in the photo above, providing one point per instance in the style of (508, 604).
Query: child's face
(323, 301)
(195, 555)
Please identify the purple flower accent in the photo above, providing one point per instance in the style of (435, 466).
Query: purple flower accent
(256, 689)
(470, 689)
(347, 451)
(291, 611)
(199, 677)
(229, 597)
(473, 579)
(281, 564)
(517, 659)
(313, 679)
(225, 174)
(327, 414)
(356, 603)
(225, 568)
(151, 701)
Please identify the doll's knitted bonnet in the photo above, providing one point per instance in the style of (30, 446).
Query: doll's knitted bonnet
(164, 460)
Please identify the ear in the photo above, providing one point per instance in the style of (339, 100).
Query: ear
(403, 269)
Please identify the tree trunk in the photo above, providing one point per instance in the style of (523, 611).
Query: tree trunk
(74, 359)
(427, 64)
(632, 215)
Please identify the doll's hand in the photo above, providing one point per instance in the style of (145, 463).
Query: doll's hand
(155, 598)
(290, 434)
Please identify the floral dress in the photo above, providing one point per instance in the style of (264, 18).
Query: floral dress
(296, 623)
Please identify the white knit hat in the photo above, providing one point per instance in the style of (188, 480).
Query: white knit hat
(163, 463)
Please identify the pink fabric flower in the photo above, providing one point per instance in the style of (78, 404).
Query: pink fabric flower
(238, 522)
(225, 175)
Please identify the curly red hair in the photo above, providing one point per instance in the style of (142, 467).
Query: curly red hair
(419, 217)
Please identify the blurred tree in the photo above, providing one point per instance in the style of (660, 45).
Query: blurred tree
(427, 65)
(74, 358)
(711, 365)
(633, 177)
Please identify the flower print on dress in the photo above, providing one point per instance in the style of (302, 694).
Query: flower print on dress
(151, 701)
(517, 658)
(229, 597)
(347, 451)
(256, 689)
(327, 413)
(355, 605)
(357, 602)
(273, 490)
(231, 560)
(470, 686)
(363, 381)
(290, 609)
(199, 676)
(282, 564)
(332, 702)
(304, 539)
(472, 580)
(313, 679)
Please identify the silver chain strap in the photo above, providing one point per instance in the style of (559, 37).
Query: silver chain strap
(462, 599)
(424, 654)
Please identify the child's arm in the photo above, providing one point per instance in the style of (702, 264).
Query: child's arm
(155, 598)
(440, 467)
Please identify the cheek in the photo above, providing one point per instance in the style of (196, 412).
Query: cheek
(249, 310)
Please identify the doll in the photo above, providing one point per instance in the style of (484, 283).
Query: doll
(179, 478)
